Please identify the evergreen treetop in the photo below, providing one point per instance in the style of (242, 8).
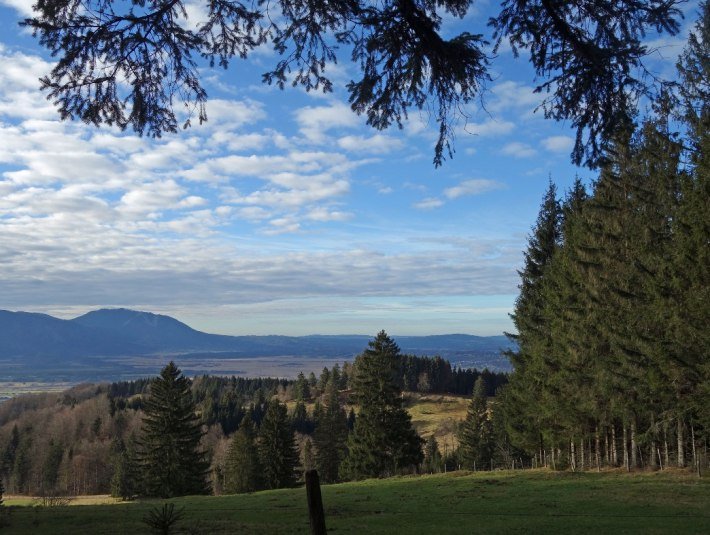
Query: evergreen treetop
(383, 441)
(243, 470)
(277, 448)
(169, 453)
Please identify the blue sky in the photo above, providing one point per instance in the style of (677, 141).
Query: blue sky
(284, 213)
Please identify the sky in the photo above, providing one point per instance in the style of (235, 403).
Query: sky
(284, 213)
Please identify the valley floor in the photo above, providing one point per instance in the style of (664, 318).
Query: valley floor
(460, 502)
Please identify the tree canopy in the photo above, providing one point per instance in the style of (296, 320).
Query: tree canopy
(169, 454)
(130, 63)
(612, 367)
(383, 441)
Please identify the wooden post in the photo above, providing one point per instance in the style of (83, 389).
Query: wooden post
(315, 503)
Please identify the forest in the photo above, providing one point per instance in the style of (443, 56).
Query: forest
(613, 312)
(79, 441)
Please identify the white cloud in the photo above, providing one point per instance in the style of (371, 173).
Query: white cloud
(23, 7)
(489, 128)
(232, 114)
(429, 203)
(558, 143)
(510, 95)
(324, 214)
(377, 144)
(518, 150)
(472, 187)
(315, 122)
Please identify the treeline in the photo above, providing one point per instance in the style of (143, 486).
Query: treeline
(613, 315)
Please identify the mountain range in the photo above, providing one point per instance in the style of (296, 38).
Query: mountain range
(122, 332)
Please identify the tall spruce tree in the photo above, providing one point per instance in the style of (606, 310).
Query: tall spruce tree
(691, 255)
(523, 416)
(432, 456)
(277, 448)
(475, 434)
(123, 484)
(331, 434)
(243, 471)
(169, 453)
(383, 441)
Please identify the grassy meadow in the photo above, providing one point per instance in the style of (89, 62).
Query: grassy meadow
(459, 502)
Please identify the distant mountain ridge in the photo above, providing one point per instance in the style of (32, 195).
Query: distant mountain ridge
(124, 332)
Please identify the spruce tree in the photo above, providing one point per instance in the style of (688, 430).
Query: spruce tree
(432, 456)
(383, 441)
(691, 256)
(330, 435)
(169, 453)
(277, 448)
(523, 417)
(475, 437)
(126, 476)
(243, 468)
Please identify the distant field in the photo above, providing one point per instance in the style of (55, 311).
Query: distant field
(50, 379)
(459, 502)
(9, 389)
(438, 415)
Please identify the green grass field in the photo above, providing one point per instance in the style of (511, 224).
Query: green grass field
(459, 502)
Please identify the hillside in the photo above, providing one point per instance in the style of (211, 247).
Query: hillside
(459, 502)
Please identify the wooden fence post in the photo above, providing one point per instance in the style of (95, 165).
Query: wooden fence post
(315, 503)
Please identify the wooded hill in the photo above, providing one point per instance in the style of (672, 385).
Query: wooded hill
(74, 442)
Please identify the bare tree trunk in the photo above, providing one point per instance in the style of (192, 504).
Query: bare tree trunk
(681, 444)
(582, 458)
(659, 458)
(666, 453)
(652, 455)
(634, 448)
(614, 452)
(695, 454)
(626, 448)
(607, 453)
(652, 447)
(597, 446)
(572, 456)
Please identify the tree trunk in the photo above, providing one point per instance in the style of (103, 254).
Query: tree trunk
(626, 447)
(634, 448)
(666, 453)
(597, 446)
(614, 452)
(681, 445)
(652, 453)
(572, 456)
(582, 458)
(607, 454)
(695, 454)
(652, 461)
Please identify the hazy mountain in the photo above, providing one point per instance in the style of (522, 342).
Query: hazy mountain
(152, 332)
(114, 332)
(29, 335)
